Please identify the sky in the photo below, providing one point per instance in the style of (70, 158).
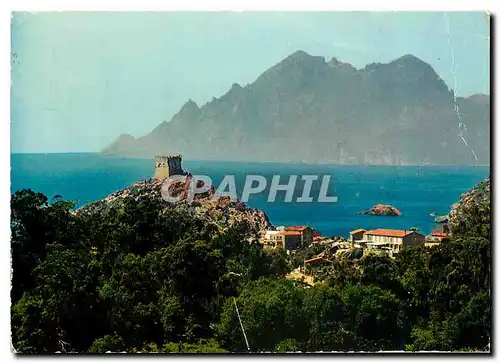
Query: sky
(79, 80)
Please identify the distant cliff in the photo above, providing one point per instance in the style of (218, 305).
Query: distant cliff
(305, 109)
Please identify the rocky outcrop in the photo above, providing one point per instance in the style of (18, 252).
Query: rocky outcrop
(441, 219)
(472, 215)
(223, 213)
(381, 210)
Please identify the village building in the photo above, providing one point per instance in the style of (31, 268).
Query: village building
(288, 240)
(356, 235)
(440, 232)
(311, 264)
(389, 240)
(291, 240)
(306, 233)
(272, 239)
(437, 235)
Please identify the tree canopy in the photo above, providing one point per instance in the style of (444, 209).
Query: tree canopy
(141, 278)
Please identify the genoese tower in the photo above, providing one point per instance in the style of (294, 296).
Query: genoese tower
(166, 166)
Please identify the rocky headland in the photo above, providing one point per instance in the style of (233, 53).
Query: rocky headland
(223, 213)
(472, 214)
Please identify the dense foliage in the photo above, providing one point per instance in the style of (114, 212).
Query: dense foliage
(142, 278)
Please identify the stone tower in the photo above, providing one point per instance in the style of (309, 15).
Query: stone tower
(166, 166)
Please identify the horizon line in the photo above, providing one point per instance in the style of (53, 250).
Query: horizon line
(243, 161)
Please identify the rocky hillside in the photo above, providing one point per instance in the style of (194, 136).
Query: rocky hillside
(223, 213)
(472, 215)
(312, 110)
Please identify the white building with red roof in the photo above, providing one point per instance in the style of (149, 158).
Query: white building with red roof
(389, 240)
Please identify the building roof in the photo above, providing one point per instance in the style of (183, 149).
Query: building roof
(390, 232)
(443, 235)
(296, 228)
(290, 233)
(168, 156)
(319, 238)
(357, 231)
(314, 259)
(443, 228)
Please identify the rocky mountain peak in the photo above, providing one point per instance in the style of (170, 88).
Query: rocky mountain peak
(189, 112)
(299, 60)
(399, 112)
(190, 106)
(409, 59)
(335, 63)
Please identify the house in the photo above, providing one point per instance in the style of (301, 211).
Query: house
(272, 239)
(311, 264)
(440, 232)
(390, 240)
(306, 233)
(437, 235)
(356, 235)
(289, 240)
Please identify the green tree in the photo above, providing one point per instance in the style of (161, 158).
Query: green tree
(271, 311)
(373, 315)
(108, 343)
(326, 315)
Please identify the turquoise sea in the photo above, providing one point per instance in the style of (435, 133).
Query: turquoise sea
(416, 190)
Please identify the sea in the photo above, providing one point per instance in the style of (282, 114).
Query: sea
(419, 192)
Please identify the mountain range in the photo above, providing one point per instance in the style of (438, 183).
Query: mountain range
(305, 109)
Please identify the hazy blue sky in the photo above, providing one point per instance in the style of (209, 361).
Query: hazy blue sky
(81, 79)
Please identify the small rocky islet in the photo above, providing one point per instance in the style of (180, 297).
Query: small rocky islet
(381, 210)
